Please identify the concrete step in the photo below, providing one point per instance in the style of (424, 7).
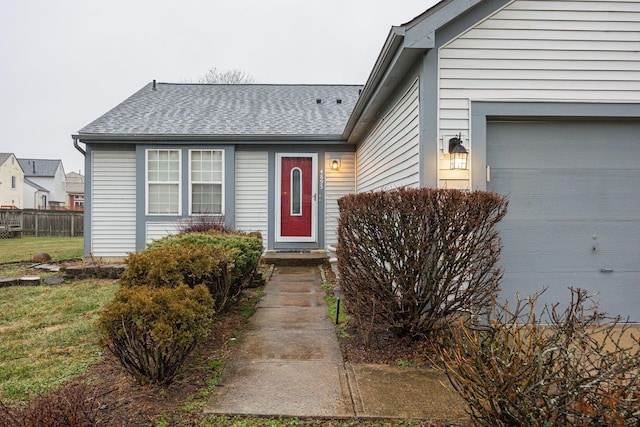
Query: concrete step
(295, 258)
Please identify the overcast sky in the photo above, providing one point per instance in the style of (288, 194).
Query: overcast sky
(64, 63)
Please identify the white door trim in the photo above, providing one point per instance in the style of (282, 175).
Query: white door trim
(314, 198)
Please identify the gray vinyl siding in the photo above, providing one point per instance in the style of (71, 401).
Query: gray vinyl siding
(252, 192)
(338, 183)
(543, 50)
(157, 230)
(389, 156)
(113, 203)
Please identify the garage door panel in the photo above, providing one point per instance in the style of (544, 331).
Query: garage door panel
(564, 145)
(616, 294)
(561, 194)
(568, 246)
(568, 182)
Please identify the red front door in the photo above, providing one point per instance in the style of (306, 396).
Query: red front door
(296, 192)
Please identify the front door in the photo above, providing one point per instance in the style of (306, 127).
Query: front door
(296, 198)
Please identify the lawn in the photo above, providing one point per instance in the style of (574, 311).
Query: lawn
(23, 249)
(48, 334)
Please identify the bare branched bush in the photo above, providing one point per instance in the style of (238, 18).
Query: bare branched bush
(70, 406)
(525, 366)
(410, 260)
(202, 224)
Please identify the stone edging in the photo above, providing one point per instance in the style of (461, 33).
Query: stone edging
(75, 272)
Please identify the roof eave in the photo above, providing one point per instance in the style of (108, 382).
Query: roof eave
(390, 49)
(402, 48)
(196, 138)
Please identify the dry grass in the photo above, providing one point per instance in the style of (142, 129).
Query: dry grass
(48, 334)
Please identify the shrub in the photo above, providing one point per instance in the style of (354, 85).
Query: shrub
(188, 264)
(412, 259)
(152, 330)
(554, 368)
(70, 406)
(246, 249)
(202, 224)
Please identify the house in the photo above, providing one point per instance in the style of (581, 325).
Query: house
(44, 183)
(11, 182)
(536, 99)
(74, 186)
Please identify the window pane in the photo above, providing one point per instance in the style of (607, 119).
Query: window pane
(206, 181)
(152, 167)
(163, 199)
(163, 165)
(296, 188)
(196, 165)
(216, 167)
(206, 199)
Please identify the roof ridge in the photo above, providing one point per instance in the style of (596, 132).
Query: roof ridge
(259, 84)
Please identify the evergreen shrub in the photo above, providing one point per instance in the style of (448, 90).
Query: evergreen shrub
(187, 263)
(246, 249)
(152, 330)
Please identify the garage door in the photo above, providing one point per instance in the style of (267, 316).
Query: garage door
(574, 210)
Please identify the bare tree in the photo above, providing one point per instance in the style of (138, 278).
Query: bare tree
(233, 76)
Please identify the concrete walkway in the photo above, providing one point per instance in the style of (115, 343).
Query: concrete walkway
(288, 363)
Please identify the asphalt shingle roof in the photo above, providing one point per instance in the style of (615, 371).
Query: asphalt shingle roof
(213, 109)
(4, 157)
(39, 167)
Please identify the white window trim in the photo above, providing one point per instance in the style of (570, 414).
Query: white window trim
(222, 204)
(147, 182)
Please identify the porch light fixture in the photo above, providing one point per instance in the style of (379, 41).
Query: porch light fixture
(458, 153)
(335, 164)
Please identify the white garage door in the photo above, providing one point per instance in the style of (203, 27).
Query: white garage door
(574, 210)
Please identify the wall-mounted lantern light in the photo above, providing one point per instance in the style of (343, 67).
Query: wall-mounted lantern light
(458, 153)
(335, 164)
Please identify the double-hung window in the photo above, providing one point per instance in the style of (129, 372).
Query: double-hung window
(206, 182)
(163, 182)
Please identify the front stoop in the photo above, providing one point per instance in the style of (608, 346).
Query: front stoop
(295, 258)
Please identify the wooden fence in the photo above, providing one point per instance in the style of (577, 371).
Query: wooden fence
(45, 223)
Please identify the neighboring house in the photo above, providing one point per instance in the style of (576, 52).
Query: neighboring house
(36, 196)
(74, 186)
(44, 183)
(545, 96)
(11, 182)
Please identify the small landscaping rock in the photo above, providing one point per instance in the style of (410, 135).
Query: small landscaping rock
(81, 272)
(49, 267)
(112, 271)
(54, 280)
(30, 281)
(42, 257)
(11, 281)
